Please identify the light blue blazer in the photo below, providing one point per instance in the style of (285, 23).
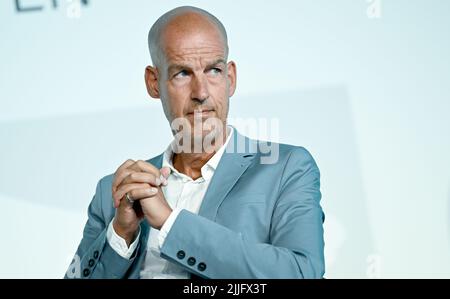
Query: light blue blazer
(256, 221)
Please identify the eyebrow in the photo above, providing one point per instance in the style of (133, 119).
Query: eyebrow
(176, 66)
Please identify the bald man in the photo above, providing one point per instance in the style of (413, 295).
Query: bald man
(209, 206)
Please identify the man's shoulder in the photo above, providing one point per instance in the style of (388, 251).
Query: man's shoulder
(297, 159)
(295, 152)
(283, 152)
(291, 149)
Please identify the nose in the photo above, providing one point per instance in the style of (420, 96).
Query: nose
(200, 92)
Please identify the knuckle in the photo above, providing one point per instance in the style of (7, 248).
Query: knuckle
(140, 163)
(134, 175)
(125, 174)
(129, 188)
(133, 166)
(119, 173)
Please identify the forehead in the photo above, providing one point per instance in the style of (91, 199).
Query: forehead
(192, 39)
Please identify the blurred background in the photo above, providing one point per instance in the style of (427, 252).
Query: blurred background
(364, 85)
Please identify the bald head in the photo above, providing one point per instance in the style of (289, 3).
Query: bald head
(182, 20)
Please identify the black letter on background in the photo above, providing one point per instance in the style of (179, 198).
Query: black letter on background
(19, 8)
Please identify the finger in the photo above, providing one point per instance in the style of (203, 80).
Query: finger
(142, 177)
(120, 193)
(137, 194)
(165, 172)
(124, 165)
(120, 176)
(143, 166)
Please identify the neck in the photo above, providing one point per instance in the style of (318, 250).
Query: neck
(191, 163)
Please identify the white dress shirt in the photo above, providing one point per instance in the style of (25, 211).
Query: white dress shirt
(181, 192)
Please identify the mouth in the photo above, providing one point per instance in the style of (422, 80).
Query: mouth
(201, 112)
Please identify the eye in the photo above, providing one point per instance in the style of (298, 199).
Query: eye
(215, 71)
(181, 74)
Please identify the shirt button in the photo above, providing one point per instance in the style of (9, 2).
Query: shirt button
(191, 261)
(201, 267)
(95, 254)
(181, 254)
(86, 272)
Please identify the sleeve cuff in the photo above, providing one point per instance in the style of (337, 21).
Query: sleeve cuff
(119, 244)
(165, 229)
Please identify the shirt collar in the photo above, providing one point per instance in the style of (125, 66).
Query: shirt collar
(208, 169)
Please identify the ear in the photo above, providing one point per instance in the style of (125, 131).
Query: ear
(231, 77)
(151, 81)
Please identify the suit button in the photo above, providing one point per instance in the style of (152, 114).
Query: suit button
(95, 254)
(201, 267)
(86, 272)
(181, 254)
(191, 261)
(91, 263)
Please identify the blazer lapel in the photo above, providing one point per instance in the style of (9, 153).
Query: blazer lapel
(231, 167)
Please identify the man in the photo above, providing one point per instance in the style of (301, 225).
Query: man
(208, 206)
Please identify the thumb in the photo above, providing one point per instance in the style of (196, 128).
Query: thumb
(165, 171)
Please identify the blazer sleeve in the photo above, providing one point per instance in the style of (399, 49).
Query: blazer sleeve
(296, 250)
(94, 257)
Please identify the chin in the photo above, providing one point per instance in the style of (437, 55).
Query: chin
(207, 139)
(201, 135)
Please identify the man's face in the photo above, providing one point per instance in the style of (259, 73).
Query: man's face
(194, 79)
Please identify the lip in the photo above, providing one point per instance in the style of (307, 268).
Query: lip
(202, 112)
